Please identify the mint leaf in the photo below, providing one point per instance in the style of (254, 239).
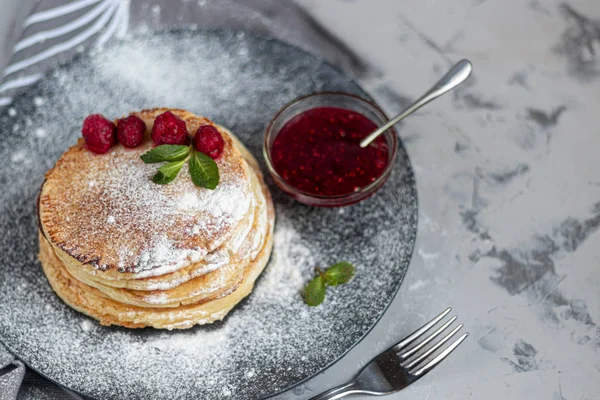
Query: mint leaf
(204, 170)
(314, 293)
(167, 172)
(165, 152)
(339, 273)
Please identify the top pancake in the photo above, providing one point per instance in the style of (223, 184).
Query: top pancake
(105, 212)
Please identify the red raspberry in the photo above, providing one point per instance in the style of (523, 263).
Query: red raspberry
(209, 141)
(169, 129)
(99, 133)
(130, 131)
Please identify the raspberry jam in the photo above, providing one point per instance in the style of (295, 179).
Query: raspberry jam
(318, 152)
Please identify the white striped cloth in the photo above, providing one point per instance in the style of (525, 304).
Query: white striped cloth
(53, 32)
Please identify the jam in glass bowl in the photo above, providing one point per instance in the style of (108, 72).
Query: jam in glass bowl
(312, 150)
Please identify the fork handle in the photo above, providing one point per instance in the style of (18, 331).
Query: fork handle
(337, 392)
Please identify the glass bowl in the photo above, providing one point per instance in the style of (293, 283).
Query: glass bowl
(329, 99)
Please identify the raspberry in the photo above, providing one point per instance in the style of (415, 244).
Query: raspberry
(130, 131)
(99, 133)
(169, 129)
(209, 141)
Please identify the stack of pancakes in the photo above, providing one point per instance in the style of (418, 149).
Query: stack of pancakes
(126, 251)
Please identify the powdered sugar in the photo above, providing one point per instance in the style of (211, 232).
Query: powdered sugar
(272, 339)
(40, 132)
(164, 256)
(18, 156)
(284, 279)
(188, 201)
(221, 201)
(87, 325)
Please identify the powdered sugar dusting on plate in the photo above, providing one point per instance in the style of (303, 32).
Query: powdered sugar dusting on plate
(284, 280)
(239, 81)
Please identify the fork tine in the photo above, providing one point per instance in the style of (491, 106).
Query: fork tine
(420, 331)
(433, 348)
(429, 366)
(418, 347)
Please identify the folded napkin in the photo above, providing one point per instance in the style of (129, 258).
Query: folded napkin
(12, 372)
(47, 32)
(19, 382)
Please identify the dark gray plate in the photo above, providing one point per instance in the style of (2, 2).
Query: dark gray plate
(272, 340)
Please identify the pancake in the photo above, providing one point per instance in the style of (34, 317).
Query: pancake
(104, 211)
(201, 288)
(211, 262)
(249, 247)
(91, 302)
(204, 288)
(129, 252)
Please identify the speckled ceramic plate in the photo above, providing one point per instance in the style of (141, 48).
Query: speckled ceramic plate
(272, 340)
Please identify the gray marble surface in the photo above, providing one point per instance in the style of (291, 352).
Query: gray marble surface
(508, 183)
(509, 189)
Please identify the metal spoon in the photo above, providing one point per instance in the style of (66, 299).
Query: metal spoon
(457, 75)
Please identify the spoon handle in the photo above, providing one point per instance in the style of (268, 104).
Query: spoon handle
(454, 77)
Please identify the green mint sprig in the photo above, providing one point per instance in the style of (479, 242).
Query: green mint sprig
(337, 274)
(203, 169)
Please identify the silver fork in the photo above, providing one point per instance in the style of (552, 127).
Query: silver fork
(402, 364)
